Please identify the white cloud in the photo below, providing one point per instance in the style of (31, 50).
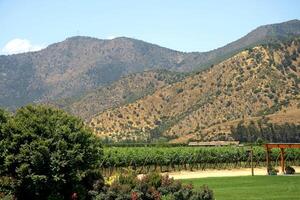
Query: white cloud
(111, 37)
(18, 45)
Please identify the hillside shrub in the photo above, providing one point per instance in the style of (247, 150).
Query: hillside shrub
(287, 61)
(179, 90)
(257, 90)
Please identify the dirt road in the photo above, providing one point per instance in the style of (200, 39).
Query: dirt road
(220, 173)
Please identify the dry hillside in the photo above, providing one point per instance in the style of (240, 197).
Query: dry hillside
(259, 81)
(126, 90)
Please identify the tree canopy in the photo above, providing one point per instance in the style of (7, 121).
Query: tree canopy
(47, 154)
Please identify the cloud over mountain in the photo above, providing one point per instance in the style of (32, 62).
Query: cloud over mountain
(18, 45)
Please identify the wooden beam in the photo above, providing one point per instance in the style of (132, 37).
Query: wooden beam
(268, 159)
(282, 160)
(251, 154)
(282, 145)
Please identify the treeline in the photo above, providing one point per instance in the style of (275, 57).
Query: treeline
(265, 131)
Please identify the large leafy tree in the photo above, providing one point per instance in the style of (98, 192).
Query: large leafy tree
(3, 120)
(48, 153)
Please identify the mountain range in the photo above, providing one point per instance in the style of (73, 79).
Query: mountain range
(80, 65)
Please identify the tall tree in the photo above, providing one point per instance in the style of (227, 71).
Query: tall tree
(49, 154)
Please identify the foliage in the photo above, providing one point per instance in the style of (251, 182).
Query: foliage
(272, 170)
(266, 131)
(179, 90)
(176, 158)
(289, 170)
(47, 153)
(151, 187)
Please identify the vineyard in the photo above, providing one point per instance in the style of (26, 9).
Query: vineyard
(163, 159)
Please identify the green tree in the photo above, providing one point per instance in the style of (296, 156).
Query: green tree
(48, 153)
(3, 120)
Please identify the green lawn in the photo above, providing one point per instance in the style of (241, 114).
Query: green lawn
(252, 188)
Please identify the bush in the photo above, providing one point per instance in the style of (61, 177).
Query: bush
(47, 154)
(7, 185)
(289, 170)
(152, 187)
(203, 194)
(179, 90)
(6, 197)
(257, 90)
(272, 171)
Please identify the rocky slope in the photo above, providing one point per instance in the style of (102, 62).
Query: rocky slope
(260, 81)
(126, 90)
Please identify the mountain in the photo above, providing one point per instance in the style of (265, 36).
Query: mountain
(272, 33)
(79, 64)
(255, 83)
(76, 65)
(126, 90)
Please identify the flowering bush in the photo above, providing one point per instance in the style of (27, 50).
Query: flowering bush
(151, 187)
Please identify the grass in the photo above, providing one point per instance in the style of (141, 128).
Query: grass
(252, 188)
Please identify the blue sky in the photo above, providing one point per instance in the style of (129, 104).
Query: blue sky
(192, 25)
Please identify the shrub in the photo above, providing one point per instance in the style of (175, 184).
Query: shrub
(152, 187)
(179, 90)
(287, 61)
(203, 194)
(271, 96)
(272, 170)
(289, 170)
(257, 90)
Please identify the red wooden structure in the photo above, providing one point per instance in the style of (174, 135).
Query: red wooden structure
(281, 146)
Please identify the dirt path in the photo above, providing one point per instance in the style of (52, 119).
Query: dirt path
(220, 173)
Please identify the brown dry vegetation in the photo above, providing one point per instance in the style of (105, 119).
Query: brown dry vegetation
(124, 91)
(260, 81)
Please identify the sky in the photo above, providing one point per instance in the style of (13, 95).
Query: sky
(191, 25)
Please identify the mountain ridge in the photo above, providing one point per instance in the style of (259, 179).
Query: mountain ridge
(79, 64)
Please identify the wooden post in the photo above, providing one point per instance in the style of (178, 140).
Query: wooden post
(268, 158)
(251, 156)
(282, 160)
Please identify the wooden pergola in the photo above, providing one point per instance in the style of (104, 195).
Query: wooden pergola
(281, 146)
